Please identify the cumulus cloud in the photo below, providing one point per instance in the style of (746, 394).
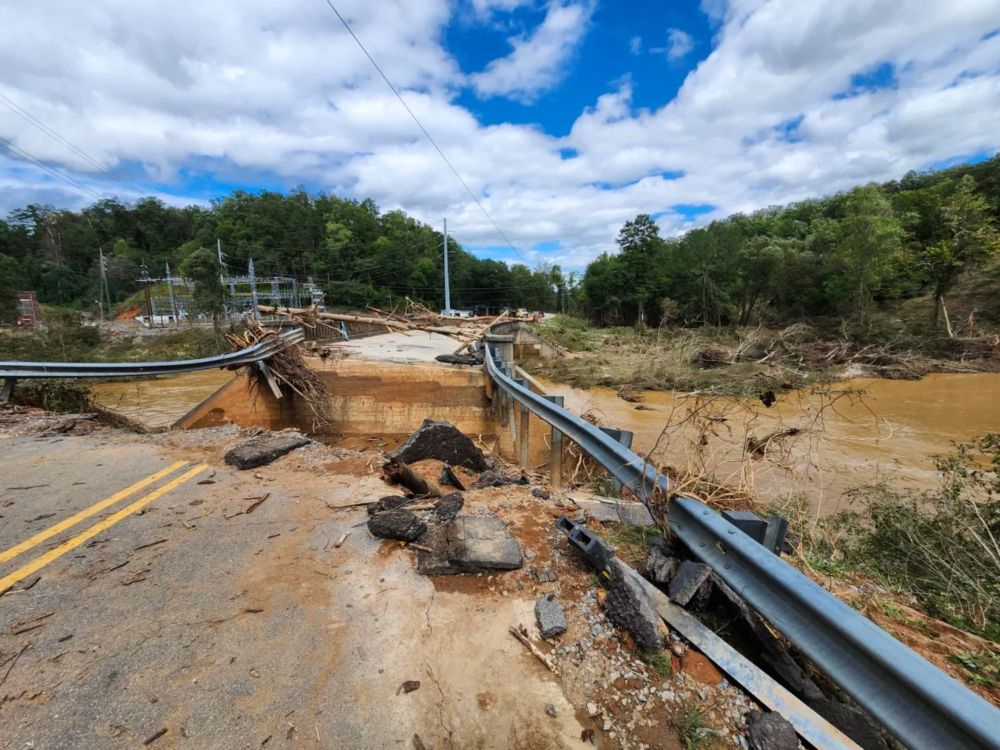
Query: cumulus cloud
(635, 45)
(538, 60)
(279, 94)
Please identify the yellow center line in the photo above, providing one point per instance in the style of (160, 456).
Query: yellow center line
(58, 528)
(73, 542)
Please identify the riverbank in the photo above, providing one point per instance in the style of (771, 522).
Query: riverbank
(747, 361)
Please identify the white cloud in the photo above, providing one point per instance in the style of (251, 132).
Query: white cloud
(679, 44)
(538, 61)
(635, 45)
(282, 93)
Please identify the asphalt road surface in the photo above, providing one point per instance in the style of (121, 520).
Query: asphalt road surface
(153, 597)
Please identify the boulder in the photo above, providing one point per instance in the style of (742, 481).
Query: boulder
(629, 606)
(263, 449)
(443, 441)
(400, 524)
(550, 615)
(771, 731)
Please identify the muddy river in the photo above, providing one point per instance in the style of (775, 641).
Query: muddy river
(853, 433)
(160, 402)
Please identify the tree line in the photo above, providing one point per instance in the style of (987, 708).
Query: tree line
(844, 257)
(357, 253)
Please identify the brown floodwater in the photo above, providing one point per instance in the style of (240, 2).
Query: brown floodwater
(160, 402)
(852, 433)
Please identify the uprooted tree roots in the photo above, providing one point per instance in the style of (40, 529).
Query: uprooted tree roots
(289, 369)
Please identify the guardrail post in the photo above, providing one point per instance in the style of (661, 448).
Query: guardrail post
(522, 444)
(7, 391)
(555, 448)
(625, 438)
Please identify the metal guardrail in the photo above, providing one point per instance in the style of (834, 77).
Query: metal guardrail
(256, 353)
(915, 701)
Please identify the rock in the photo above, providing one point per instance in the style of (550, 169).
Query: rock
(771, 731)
(540, 493)
(390, 502)
(660, 565)
(449, 477)
(593, 710)
(546, 576)
(497, 478)
(689, 580)
(448, 506)
(482, 542)
(630, 607)
(551, 710)
(615, 511)
(443, 441)
(263, 449)
(459, 359)
(550, 615)
(399, 524)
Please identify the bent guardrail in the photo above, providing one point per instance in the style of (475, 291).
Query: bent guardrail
(255, 353)
(914, 700)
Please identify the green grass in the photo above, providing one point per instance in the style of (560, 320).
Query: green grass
(692, 729)
(660, 663)
(980, 667)
(631, 543)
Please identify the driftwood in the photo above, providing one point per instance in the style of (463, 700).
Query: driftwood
(397, 472)
(521, 634)
(757, 447)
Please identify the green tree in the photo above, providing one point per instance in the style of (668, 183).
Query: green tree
(209, 296)
(869, 235)
(968, 238)
(9, 279)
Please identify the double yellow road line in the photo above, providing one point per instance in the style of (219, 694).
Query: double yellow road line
(73, 542)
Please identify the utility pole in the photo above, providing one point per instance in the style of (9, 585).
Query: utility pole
(173, 302)
(104, 279)
(447, 289)
(149, 300)
(253, 288)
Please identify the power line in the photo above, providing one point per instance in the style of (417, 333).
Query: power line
(51, 170)
(420, 125)
(30, 118)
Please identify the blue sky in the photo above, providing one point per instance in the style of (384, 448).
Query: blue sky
(565, 117)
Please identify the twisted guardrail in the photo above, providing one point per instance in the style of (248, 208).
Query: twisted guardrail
(256, 353)
(914, 700)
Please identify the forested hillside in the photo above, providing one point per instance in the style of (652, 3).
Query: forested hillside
(842, 257)
(357, 253)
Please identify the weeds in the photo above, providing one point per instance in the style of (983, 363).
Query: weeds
(659, 662)
(980, 667)
(53, 395)
(631, 543)
(692, 729)
(940, 547)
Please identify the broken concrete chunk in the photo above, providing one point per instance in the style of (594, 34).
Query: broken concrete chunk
(459, 359)
(660, 565)
(629, 606)
(399, 524)
(482, 542)
(551, 618)
(610, 510)
(771, 731)
(443, 441)
(448, 507)
(263, 449)
(688, 582)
